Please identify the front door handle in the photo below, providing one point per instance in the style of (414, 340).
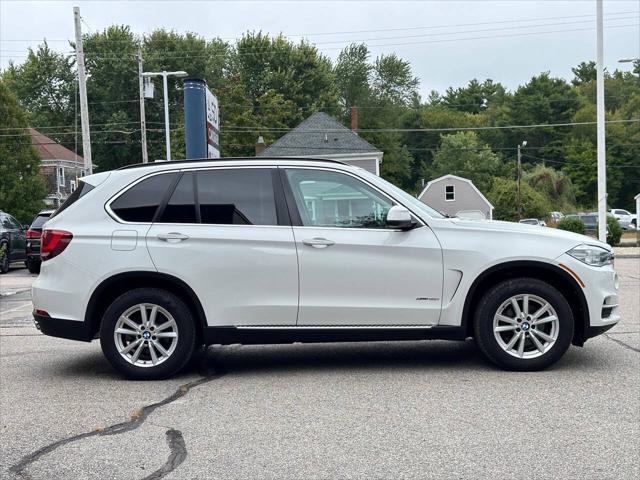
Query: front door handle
(318, 242)
(172, 237)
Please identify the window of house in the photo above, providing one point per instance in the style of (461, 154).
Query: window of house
(72, 185)
(140, 202)
(449, 193)
(238, 196)
(60, 171)
(333, 199)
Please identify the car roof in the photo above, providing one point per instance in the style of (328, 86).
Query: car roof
(207, 162)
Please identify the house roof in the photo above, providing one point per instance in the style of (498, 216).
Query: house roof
(454, 177)
(319, 134)
(49, 149)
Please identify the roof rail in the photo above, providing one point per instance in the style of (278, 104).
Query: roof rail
(227, 159)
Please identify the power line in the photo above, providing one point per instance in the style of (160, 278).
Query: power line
(396, 29)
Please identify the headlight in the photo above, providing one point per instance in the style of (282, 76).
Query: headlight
(592, 255)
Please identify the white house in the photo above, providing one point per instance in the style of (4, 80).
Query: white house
(455, 195)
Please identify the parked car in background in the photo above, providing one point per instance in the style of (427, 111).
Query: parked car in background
(555, 217)
(626, 219)
(533, 221)
(34, 235)
(159, 258)
(12, 242)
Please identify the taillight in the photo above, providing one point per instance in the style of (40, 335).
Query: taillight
(53, 243)
(33, 234)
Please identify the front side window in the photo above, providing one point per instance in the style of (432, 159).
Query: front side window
(334, 199)
(449, 193)
(238, 196)
(140, 203)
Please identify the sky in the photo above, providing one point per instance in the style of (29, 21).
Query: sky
(447, 42)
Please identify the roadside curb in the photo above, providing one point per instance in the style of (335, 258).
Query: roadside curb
(629, 255)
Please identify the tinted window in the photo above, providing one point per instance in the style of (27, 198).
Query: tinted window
(39, 221)
(139, 203)
(332, 199)
(181, 207)
(82, 189)
(241, 196)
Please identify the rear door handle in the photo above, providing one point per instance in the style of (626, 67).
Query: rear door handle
(172, 237)
(318, 242)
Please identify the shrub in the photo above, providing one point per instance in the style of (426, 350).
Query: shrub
(571, 224)
(614, 231)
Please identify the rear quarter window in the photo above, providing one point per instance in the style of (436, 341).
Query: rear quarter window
(82, 189)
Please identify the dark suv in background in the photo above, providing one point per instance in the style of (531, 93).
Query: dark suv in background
(34, 236)
(12, 242)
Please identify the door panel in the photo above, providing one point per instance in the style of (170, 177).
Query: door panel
(369, 277)
(354, 270)
(243, 275)
(226, 243)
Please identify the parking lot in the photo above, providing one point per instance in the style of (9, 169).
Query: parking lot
(378, 410)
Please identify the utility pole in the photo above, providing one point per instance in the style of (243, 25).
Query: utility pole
(82, 89)
(519, 198)
(602, 167)
(143, 123)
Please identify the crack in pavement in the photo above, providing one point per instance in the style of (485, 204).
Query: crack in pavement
(621, 343)
(137, 419)
(178, 454)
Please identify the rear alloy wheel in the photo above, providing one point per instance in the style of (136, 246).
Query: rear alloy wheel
(523, 324)
(148, 334)
(33, 266)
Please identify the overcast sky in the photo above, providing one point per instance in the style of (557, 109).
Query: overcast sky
(430, 34)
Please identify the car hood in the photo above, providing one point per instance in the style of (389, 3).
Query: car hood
(543, 232)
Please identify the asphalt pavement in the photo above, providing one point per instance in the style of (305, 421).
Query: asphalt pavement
(430, 409)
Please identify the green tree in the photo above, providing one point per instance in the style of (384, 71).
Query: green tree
(503, 195)
(476, 97)
(584, 73)
(393, 80)
(21, 187)
(555, 185)
(462, 154)
(45, 86)
(353, 75)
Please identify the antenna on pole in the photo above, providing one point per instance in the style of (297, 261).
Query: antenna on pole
(82, 88)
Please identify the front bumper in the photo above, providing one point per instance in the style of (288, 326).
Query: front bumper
(600, 291)
(57, 327)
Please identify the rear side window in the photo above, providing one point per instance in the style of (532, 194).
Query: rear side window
(82, 189)
(140, 203)
(181, 207)
(39, 221)
(237, 197)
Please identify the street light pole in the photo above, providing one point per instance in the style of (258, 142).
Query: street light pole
(601, 145)
(164, 74)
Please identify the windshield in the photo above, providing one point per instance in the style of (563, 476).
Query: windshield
(401, 194)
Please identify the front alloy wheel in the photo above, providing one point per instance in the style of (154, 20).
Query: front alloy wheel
(526, 326)
(523, 324)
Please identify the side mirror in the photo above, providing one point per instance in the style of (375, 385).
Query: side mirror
(399, 217)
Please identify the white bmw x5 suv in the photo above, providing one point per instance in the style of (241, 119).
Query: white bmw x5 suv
(157, 259)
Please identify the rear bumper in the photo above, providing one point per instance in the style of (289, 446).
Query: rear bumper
(57, 327)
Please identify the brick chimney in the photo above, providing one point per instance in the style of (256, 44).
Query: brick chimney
(354, 119)
(260, 145)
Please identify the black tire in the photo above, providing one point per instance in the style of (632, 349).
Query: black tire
(185, 328)
(502, 292)
(5, 263)
(33, 266)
